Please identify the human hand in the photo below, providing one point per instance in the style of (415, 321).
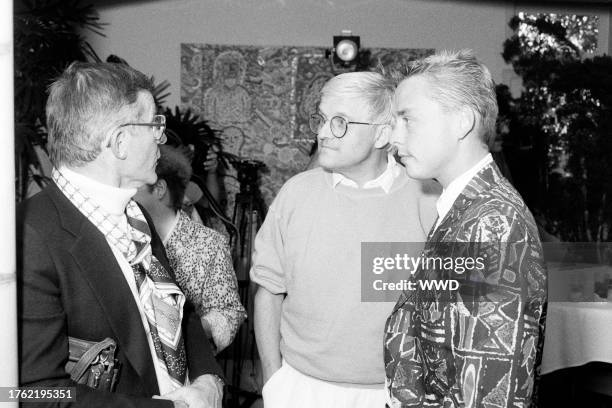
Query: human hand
(211, 163)
(205, 392)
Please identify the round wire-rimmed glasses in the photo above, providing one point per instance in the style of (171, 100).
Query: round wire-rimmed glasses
(337, 124)
(158, 125)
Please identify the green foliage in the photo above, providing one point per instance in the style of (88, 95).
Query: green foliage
(566, 108)
(47, 39)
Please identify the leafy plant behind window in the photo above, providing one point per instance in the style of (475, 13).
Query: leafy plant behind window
(564, 116)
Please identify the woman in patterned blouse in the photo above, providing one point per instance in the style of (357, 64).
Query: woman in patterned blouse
(199, 255)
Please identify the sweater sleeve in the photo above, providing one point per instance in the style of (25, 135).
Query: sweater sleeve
(268, 268)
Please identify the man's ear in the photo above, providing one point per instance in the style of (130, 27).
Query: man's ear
(118, 144)
(383, 136)
(160, 188)
(466, 123)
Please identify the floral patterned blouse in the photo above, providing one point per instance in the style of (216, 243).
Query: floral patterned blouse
(202, 263)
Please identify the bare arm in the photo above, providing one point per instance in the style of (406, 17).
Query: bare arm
(268, 272)
(211, 165)
(267, 330)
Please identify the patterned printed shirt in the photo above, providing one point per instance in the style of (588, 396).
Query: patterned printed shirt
(202, 263)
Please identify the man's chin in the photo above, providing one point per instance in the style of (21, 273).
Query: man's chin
(327, 164)
(327, 167)
(147, 181)
(415, 172)
(406, 160)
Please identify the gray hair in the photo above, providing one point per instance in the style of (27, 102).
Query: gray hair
(457, 80)
(85, 102)
(371, 87)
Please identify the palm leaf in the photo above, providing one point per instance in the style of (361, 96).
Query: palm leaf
(47, 39)
(183, 127)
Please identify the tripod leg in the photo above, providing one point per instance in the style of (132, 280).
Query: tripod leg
(247, 218)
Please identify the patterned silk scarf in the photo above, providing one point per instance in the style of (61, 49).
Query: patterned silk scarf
(159, 295)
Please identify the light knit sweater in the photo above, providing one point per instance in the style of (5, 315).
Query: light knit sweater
(309, 248)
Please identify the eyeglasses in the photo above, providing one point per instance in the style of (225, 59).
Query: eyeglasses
(337, 124)
(158, 125)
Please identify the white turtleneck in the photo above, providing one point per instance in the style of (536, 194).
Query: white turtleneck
(111, 199)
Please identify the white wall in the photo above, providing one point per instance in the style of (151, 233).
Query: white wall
(148, 34)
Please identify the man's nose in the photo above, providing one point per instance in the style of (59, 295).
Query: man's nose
(394, 139)
(325, 132)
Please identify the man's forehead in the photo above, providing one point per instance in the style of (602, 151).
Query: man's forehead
(339, 104)
(410, 93)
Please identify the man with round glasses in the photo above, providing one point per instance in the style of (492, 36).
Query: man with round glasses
(91, 265)
(319, 343)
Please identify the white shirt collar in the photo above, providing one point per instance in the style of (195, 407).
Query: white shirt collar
(452, 191)
(111, 199)
(384, 181)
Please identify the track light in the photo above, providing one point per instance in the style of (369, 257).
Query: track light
(346, 49)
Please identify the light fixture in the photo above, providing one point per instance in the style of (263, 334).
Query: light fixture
(346, 49)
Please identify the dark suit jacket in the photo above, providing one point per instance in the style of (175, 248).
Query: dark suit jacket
(478, 345)
(70, 284)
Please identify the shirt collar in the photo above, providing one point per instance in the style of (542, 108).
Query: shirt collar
(111, 199)
(384, 181)
(452, 191)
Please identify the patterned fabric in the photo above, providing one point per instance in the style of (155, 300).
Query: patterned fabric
(201, 260)
(478, 346)
(161, 299)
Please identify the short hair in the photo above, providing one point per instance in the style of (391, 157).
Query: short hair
(174, 167)
(457, 80)
(371, 87)
(85, 102)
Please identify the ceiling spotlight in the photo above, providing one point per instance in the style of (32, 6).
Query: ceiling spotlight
(346, 48)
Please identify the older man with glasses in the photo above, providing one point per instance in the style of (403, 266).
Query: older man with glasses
(318, 341)
(91, 265)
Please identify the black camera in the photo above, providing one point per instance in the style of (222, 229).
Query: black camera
(248, 174)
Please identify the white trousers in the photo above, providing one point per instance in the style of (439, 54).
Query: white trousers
(289, 388)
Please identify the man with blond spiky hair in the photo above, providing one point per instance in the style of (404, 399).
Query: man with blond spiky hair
(477, 345)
